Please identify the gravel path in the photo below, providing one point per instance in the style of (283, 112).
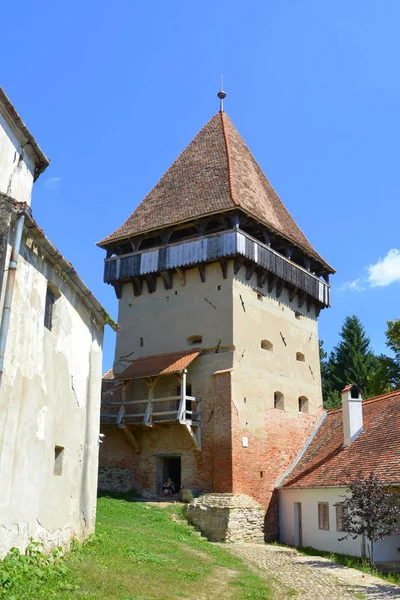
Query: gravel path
(314, 577)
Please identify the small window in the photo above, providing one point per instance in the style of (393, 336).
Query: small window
(141, 342)
(300, 357)
(323, 516)
(195, 339)
(48, 310)
(52, 295)
(58, 460)
(260, 297)
(266, 345)
(341, 515)
(279, 402)
(297, 315)
(303, 404)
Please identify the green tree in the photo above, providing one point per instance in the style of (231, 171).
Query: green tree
(387, 375)
(370, 510)
(352, 360)
(330, 396)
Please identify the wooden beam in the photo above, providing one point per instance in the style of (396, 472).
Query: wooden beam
(151, 280)
(181, 276)
(237, 263)
(250, 268)
(200, 226)
(309, 304)
(307, 263)
(137, 285)
(279, 287)
(131, 439)
(202, 271)
(289, 251)
(272, 279)
(224, 266)
(267, 237)
(165, 235)
(262, 277)
(168, 279)
(301, 296)
(118, 289)
(292, 293)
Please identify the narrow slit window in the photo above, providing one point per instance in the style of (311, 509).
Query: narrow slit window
(195, 339)
(141, 342)
(48, 310)
(58, 460)
(279, 401)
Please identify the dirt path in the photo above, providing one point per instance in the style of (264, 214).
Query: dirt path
(314, 577)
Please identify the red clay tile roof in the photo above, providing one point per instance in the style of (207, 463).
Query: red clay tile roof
(215, 173)
(327, 463)
(108, 375)
(160, 364)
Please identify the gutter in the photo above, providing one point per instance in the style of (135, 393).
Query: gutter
(12, 269)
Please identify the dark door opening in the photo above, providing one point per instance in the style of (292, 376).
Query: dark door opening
(172, 469)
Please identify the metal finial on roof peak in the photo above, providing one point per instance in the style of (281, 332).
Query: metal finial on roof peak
(221, 95)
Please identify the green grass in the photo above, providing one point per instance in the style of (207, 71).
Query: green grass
(353, 562)
(140, 553)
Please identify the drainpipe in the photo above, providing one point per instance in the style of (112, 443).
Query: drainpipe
(12, 268)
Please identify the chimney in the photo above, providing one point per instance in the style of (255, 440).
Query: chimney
(352, 413)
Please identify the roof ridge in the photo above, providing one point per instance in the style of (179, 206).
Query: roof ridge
(229, 157)
(386, 396)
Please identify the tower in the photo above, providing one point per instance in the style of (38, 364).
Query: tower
(216, 378)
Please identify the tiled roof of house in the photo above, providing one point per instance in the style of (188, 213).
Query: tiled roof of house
(327, 463)
(215, 173)
(108, 375)
(160, 364)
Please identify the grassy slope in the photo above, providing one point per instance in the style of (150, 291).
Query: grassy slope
(140, 553)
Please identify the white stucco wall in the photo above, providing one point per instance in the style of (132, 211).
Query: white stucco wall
(50, 396)
(17, 164)
(385, 550)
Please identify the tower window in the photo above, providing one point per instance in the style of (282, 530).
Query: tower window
(279, 401)
(194, 339)
(266, 345)
(51, 296)
(141, 342)
(303, 404)
(300, 357)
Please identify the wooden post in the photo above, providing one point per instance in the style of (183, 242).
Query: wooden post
(147, 416)
(182, 405)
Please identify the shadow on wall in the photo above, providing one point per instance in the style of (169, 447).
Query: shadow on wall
(271, 519)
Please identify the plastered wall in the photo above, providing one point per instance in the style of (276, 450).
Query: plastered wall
(17, 165)
(50, 396)
(385, 550)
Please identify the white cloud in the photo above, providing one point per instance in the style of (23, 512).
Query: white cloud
(386, 270)
(352, 286)
(52, 183)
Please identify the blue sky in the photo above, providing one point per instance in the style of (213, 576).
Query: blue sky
(114, 91)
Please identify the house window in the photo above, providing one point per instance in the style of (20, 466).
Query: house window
(341, 515)
(323, 516)
(266, 345)
(303, 404)
(279, 401)
(300, 356)
(195, 339)
(58, 460)
(51, 296)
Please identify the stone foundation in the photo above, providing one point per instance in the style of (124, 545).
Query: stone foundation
(227, 517)
(115, 479)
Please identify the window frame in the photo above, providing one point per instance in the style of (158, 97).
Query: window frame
(49, 308)
(341, 514)
(323, 519)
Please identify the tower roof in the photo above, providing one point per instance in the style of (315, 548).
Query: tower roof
(215, 173)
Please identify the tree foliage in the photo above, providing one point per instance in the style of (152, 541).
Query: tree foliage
(370, 510)
(353, 361)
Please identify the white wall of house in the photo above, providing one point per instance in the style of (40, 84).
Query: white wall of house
(386, 550)
(17, 163)
(50, 396)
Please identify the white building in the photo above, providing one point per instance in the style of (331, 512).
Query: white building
(359, 438)
(51, 332)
